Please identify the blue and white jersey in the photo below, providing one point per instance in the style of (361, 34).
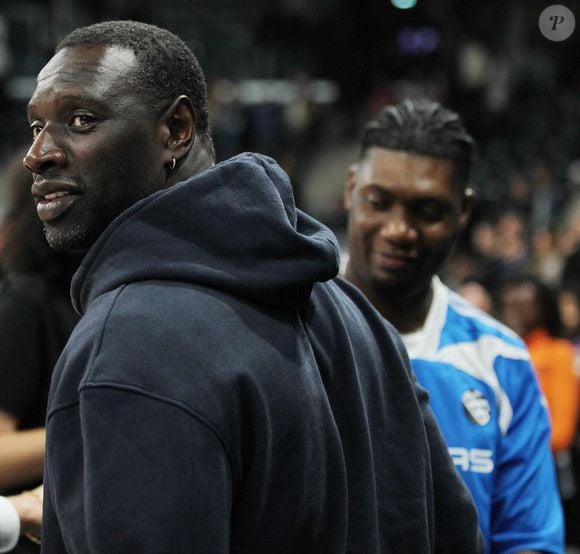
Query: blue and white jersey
(486, 398)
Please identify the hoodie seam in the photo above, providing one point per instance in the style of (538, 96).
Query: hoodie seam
(87, 382)
(134, 389)
(100, 339)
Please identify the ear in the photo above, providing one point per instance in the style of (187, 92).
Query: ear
(179, 125)
(351, 179)
(467, 201)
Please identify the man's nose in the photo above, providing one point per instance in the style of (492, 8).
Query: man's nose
(397, 227)
(44, 153)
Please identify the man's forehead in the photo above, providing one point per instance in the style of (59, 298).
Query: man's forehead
(386, 164)
(97, 63)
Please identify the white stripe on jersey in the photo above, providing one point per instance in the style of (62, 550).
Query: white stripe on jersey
(476, 357)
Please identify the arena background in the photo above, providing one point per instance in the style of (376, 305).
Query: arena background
(297, 80)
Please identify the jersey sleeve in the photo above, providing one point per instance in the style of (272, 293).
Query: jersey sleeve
(146, 476)
(526, 508)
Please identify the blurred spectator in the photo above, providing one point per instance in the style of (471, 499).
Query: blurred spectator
(569, 299)
(20, 514)
(547, 196)
(547, 260)
(512, 247)
(484, 248)
(36, 318)
(518, 192)
(473, 291)
(571, 270)
(228, 120)
(569, 302)
(530, 308)
(483, 240)
(500, 248)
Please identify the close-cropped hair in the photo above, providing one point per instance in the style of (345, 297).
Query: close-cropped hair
(426, 128)
(167, 68)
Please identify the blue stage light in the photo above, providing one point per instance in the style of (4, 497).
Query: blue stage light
(404, 4)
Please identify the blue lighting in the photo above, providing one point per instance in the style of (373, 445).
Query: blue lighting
(417, 41)
(404, 4)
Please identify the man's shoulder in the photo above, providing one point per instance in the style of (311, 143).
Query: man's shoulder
(182, 344)
(148, 304)
(473, 345)
(340, 311)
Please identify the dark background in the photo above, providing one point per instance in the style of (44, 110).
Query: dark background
(297, 79)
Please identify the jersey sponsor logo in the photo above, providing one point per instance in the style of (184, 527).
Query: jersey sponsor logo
(476, 406)
(476, 460)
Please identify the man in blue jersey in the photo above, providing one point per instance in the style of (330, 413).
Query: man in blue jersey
(408, 200)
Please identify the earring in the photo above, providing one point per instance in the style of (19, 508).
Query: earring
(172, 164)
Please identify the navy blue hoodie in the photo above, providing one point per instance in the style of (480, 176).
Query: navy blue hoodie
(222, 394)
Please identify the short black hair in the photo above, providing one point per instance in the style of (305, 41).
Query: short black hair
(426, 128)
(167, 66)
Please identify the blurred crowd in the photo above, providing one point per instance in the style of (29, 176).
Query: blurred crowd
(520, 261)
(532, 228)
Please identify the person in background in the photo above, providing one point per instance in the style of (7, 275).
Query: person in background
(475, 293)
(569, 302)
(530, 307)
(408, 199)
(219, 393)
(36, 319)
(21, 514)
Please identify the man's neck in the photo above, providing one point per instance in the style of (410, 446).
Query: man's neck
(198, 160)
(406, 312)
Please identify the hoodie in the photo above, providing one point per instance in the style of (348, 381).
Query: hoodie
(224, 393)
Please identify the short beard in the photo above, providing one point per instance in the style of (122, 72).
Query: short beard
(75, 239)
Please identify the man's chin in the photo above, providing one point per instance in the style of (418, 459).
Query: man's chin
(398, 289)
(75, 240)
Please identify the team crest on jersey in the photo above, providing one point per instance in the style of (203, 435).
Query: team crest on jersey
(477, 406)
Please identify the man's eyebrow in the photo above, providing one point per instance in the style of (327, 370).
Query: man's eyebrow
(431, 201)
(66, 98)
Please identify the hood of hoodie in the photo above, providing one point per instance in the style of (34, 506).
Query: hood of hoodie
(233, 227)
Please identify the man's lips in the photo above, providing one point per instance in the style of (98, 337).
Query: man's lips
(53, 198)
(393, 262)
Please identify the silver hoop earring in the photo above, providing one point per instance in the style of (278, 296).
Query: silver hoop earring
(172, 164)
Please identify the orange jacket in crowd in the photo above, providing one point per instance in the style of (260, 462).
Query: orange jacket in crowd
(553, 359)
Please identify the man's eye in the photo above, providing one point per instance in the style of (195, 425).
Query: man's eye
(375, 201)
(81, 120)
(35, 128)
(431, 213)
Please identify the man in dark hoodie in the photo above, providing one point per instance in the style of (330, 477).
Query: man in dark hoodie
(222, 392)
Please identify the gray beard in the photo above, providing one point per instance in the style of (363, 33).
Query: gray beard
(75, 239)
